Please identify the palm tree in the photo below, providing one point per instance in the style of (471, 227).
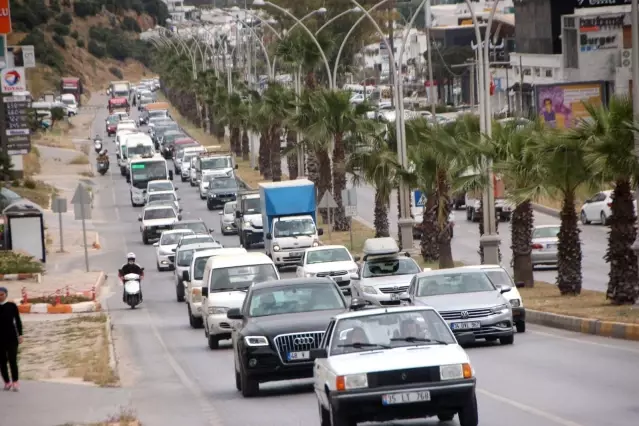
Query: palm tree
(291, 157)
(234, 115)
(259, 123)
(373, 161)
(277, 104)
(609, 133)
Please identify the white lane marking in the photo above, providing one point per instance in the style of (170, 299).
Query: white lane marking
(587, 342)
(531, 410)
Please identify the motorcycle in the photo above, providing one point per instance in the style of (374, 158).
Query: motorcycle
(132, 293)
(103, 167)
(97, 145)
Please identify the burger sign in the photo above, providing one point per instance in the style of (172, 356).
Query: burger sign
(13, 80)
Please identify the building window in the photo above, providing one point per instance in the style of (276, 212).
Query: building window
(537, 72)
(527, 71)
(549, 73)
(570, 48)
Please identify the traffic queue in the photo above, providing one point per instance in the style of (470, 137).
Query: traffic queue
(381, 337)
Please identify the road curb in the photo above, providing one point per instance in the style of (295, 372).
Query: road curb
(63, 308)
(20, 277)
(545, 210)
(616, 330)
(113, 360)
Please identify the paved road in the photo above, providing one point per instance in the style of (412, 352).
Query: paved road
(547, 378)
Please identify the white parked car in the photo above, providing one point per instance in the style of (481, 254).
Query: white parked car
(597, 208)
(165, 248)
(388, 364)
(335, 262)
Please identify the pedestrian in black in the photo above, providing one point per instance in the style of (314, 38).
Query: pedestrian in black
(10, 338)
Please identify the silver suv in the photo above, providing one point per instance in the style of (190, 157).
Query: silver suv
(468, 300)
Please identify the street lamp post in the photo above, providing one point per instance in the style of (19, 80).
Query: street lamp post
(634, 21)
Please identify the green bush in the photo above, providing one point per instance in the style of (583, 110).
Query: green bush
(54, 5)
(61, 29)
(74, 34)
(28, 14)
(84, 8)
(100, 33)
(130, 24)
(30, 183)
(65, 19)
(80, 43)
(18, 263)
(96, 49)
(59, 40)
(116, 72)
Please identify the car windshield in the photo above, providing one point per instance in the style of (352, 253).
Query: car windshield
(185, 257)
(169, 196)
(294, 227)
(327, 255)
(186, 159)
(389, 266)
(172, 238)
(217, 183)
(143, 172)
(197, 227)
(216, 163)
(240, 277)
(499, 277)
(251, 206)
(160, 186)
(169, 137)
(113, 119)
(158, 113)
(295, 298)
(229, 208)
(196, 239)
(139, 149)
(389, 330)
(167, 213)
(546, 232)
(453, 283)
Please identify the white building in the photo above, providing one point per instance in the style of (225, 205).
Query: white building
(375, 56)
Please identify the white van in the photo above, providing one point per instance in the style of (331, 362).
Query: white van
(120, 147)
(183, 158)
(192, 280)
(137, 145)
(70, 102)
(225, 282)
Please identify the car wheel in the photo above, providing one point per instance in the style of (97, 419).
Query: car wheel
(209, 206)
(183, 179)
(584, 218)
(145, 239)
(468, 415)
(179, 291)
(325, 416)
(193, 321)
(238, 381)
(473, 216)
(445, 417)
(338, 419)
(158, 266)
(214, 342)
(508, 340)
(250, 387)
(521, 326)
(603, 219)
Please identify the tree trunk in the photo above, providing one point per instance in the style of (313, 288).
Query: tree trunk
(521, 227)
(312, 167)
(569, 255)
(339, 184)
(310, 81)
(444, 227)
(324, 180)
(276, 153)
(380, 215)
(623, 286)
(236, 141)
(245, 145)
(428, 242)
(291, 159)
(399, 217)
(264, 157)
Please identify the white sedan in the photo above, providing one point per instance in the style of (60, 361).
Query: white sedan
(335, 262)
(165, 248)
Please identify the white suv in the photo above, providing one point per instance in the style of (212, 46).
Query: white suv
(597, 208)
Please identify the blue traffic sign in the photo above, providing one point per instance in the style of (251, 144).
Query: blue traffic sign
(419, 198)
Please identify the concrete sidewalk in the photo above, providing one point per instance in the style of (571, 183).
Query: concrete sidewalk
(52, 404)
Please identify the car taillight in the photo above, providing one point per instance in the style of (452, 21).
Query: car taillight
(537, 247)
(610, 205)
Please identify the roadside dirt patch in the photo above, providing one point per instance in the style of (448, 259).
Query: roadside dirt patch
(74, 349)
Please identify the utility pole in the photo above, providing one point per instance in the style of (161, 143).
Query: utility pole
(391, 54)
(428, 22)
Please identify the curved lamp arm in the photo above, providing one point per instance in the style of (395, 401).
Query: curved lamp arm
(264, 49)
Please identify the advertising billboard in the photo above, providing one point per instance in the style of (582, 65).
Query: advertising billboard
(562, 105)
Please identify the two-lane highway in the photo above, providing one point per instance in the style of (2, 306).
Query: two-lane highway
(547, 378)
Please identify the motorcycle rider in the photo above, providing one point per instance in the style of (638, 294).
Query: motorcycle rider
(103, 157)
(130, 267)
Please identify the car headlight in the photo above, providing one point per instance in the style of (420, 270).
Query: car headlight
(352, 271)
(315, 243)
(212, 195)
(309, 275)
(500, 309)
(247, 224)
(515, 303)
(369, 289)
(256, 341)
(455, 371)
(216, 310)
(351, 381)
(276, 248)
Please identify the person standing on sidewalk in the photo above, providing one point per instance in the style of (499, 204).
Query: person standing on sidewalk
(10, 338)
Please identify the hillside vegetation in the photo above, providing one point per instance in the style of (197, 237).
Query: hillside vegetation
(96, 40)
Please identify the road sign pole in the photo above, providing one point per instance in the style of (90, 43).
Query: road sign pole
(350, 232)
(84, 236)
(61, 233)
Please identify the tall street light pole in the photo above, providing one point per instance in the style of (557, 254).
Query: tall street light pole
(634, 21)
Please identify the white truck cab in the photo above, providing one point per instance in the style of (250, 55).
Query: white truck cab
(225, 283)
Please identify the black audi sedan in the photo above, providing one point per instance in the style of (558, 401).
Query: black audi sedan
(277, 326)
(221, 191)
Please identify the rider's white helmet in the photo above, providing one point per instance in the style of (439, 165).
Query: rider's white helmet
(130, 256)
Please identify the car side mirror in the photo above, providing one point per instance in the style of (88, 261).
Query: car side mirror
(269, 236)
(174, 250)
(354, 277)
(128, 179)
(357, 258)
(205, 291)
(357, 304)
(211, 230)
(179, 199)
(504, 289)
(139, 218)
(520, 284)
(234, 314)
(175, 189)
(236, 167)
(238, 215)
(320, 232)
(156, 244)
(405, 297)
(318, 353)
(179, 217)
(466, 338)
(185, 276)
(221, 213)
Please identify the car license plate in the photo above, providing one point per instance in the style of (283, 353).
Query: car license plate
(405, 397)
(298, 356)
(394, 296)
(551, 246)
(337, 279)
(465, 325)
(297, 253)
